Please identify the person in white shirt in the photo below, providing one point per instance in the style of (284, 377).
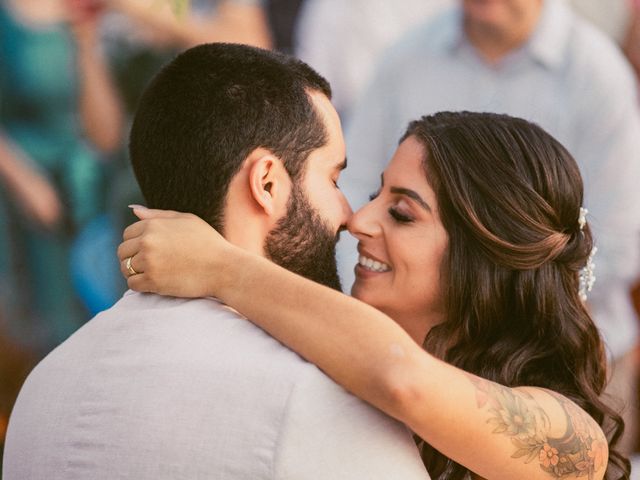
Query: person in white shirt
(343, 40)
(159, 387)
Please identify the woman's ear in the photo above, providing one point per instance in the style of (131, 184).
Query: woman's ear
(269, 182)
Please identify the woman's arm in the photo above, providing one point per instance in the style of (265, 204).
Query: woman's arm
(496, 431)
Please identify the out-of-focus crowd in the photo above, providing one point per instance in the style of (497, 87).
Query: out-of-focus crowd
(71, 72)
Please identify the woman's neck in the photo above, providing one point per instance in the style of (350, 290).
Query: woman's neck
(416, 325)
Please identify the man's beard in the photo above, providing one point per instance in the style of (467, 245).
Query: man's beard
(302, 243)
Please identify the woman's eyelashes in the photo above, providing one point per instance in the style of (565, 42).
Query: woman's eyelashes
(399, 216)
(395, 213)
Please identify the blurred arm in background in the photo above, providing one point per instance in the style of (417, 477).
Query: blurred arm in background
(232, 21)
(32, 192)
(100, 107)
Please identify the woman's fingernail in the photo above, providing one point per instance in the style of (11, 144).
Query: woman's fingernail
(137, 207)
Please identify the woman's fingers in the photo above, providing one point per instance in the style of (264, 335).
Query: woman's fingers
(135, 230)
(128, 248)
(132, 265)
(169, 253)
(144, 213)
(138, 283)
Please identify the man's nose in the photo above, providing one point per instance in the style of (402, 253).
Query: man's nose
(347, 212)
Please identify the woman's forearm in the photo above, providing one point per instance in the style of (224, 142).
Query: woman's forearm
(473, 421)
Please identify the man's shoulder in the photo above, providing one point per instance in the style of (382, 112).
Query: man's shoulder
(326, 432)
(136, 312)
(224, 335)
(138, 317)
(194, 334)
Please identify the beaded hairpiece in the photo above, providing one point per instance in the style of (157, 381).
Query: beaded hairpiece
(586, 276)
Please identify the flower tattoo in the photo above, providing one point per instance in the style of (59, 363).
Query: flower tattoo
(580, 452)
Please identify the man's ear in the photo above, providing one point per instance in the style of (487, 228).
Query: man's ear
(269, 182)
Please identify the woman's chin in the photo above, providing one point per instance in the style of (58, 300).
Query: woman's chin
(364, 294)
(359, 291)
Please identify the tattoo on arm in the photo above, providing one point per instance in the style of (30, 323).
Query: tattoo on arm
(580, 452)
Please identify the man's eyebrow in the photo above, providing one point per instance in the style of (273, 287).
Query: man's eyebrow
(342, 165)
(412, 195)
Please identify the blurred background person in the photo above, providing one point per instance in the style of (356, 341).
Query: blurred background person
(537, 60)
(620, 20)
(612, 17)
(631, 40)
(202, 21)
(59, 110)
(15, 364)
(283, 17)
(142, 35)
(342, 40)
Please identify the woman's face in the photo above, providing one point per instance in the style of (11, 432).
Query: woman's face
(401, 245)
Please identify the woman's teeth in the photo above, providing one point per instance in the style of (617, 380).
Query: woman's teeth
(373, 265)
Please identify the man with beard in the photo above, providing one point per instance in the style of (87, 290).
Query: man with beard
(159, 387)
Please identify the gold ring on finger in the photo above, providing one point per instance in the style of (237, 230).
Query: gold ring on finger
(130, 268)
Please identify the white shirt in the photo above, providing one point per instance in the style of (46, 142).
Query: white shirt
(568, 78)
(343, 40)
(163, 388)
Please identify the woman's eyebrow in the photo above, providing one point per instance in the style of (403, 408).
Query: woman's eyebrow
(412, 195)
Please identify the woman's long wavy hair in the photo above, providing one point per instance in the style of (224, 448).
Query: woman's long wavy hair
(509, 197)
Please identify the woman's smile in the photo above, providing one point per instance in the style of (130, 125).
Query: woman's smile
(369, 264)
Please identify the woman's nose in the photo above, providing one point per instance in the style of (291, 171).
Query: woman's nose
(364, 222)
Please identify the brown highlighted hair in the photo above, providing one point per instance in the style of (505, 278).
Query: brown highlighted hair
(509, 197)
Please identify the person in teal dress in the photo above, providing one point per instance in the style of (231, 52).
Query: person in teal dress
(58, 114)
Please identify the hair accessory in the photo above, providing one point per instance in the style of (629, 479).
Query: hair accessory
(582, 219)
(587, 276)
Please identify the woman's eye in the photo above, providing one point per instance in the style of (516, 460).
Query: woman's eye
(399, 217)
(374, 195)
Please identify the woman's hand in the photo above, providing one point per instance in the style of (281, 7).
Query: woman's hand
(174, 253)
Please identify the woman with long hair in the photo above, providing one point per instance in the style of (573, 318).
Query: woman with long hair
(467, 321)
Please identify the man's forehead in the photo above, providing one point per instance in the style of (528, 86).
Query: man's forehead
(322, 159)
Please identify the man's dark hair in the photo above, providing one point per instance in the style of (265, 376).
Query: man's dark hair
(207, 110)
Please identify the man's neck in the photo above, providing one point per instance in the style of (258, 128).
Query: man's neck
(494, 43)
